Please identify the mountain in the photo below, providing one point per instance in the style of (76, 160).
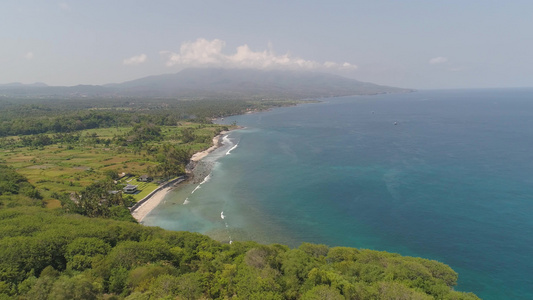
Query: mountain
(206, 83)
(213, 83)
(18, 85)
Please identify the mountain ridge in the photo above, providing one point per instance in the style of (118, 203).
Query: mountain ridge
(208, 83)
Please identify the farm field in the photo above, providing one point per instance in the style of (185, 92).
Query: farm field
(66, 167)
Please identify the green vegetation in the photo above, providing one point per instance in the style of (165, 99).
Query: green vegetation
(69, 163)
(66, 231)
(62, 147)
(16, 190)
(47, 254)
(34, 116)
(144, 188)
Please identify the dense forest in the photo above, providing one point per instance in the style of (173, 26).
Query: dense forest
(54, 255)
(63, 235)
(34, 116)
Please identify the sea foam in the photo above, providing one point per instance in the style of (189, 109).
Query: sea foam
(231, 149)
(197, 187)
(206, 179)
(225, 140)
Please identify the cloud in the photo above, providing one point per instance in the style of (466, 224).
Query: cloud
(135, 60)
(438, 60)
(29, 55)
(345, 65)
(203, 52)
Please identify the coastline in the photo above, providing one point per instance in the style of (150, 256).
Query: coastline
(154, 199)
(143, 210)
(216, 143)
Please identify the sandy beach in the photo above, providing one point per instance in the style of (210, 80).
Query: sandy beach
(150, 204)
(216, 143)
(144, 209)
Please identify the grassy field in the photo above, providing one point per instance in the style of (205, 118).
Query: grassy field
(144, 188)
(60, 168)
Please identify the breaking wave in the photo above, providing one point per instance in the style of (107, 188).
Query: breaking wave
(197, 187)
(206, 179)
(231, 149)
(225, 140)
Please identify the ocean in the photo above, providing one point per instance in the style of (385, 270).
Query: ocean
(440, 174)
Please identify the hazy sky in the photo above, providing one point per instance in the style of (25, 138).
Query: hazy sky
(415, 44)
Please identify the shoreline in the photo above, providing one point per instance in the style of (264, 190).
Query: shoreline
(217, 141)
(154, 199)
(144, 209)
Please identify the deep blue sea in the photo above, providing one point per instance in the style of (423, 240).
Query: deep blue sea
(445, 175)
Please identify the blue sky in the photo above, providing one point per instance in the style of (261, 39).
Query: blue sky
(414, 44)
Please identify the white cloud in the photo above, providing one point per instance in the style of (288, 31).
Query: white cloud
(29, 55)
(209, 53)
(135, 60)
(334, 65)
(438, 60)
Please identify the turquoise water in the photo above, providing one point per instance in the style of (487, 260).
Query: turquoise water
(451, 181)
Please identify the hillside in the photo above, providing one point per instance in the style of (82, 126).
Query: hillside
(49, 254)
(213, 83)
